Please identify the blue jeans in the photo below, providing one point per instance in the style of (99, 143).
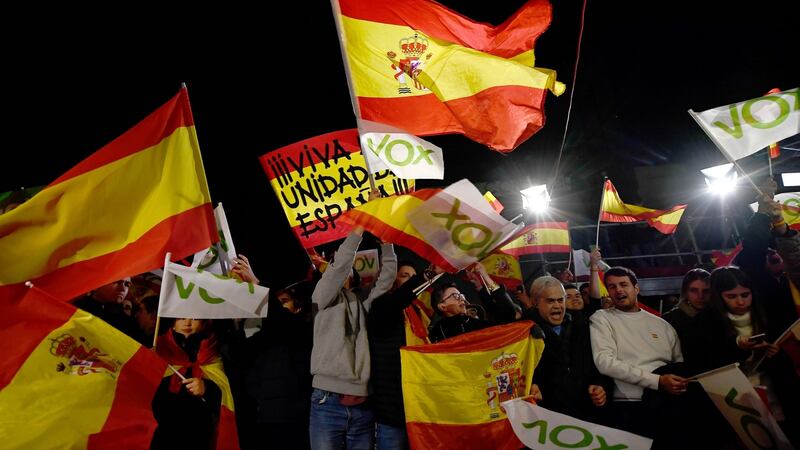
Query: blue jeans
(334, 426)
(388, 437)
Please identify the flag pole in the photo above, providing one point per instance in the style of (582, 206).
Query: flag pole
(724, 153)
(337, 17)
(600, 213)
(769, 161)
(160, 296)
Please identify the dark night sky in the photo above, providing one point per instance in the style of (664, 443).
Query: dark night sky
(258, 82)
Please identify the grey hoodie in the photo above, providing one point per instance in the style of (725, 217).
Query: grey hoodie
(340, 356)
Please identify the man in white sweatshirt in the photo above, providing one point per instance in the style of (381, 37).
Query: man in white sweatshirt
(629, 344)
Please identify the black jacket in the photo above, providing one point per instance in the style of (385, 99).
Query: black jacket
(278, 376)
(499, 309)
(567, 368)
(386, 328)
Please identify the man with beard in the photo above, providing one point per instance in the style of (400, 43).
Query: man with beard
(638, 350)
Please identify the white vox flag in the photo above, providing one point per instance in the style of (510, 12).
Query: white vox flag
(540, 428)
(366, 264)
(199, 294)
(736, 399)
(208, 259)
(406, 155)
(582, 262)
(744, 128)
(460, 224)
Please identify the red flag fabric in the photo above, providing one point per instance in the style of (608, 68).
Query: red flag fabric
(421, 67)
(115, 214)
(70, 380)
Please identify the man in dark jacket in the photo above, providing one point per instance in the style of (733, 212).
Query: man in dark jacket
(566, 375)
(386, 331)
(451, 304)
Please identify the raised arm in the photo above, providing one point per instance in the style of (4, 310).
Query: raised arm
(386, 276)
(337, 272)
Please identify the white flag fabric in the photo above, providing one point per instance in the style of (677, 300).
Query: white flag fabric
(196, 293)
(744, 128)
(582, 262)
(539, 428)
(460, 224)
(736, 399)
(208, 259)
(367, 265)
(406, 155)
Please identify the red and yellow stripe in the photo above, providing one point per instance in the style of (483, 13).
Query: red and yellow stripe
(116, 213)
(386, 219)
(478, 80)
(614, 210)
(504, 269)
(45, 402)
(450, 388)
(545, 237)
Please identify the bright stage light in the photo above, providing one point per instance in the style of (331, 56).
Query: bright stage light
(535, 198)
(791, 179)
(721, 179)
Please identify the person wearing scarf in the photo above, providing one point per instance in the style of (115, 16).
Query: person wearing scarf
(188, 404)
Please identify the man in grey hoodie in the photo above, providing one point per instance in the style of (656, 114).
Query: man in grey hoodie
(340, 360)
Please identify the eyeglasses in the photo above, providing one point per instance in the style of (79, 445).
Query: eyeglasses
(457, 295)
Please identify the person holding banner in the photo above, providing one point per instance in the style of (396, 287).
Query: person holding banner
(340, 359)
(763, 265)
(451, 304)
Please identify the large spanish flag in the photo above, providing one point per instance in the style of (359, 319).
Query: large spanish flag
(452, 389)
(419, 66)
(386, 219)
(115, 214)
(614, 210)
(545, 237)
(70, 380)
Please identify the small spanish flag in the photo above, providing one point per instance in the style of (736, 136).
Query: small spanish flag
(545, 237)
(496, 205)
(614, 210)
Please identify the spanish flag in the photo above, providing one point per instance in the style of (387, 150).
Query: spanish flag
(70, 380)
(452, 390)
(386, 219)
(503, 269)
(419, 66)
(545, 237)
(614, 210)
(115, 214)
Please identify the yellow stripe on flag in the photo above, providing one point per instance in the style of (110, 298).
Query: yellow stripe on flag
(53, 404)
(462, 388)
(119, 201)
(543, 236)
(451, 72)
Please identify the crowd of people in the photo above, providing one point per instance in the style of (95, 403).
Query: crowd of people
(324, 369)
